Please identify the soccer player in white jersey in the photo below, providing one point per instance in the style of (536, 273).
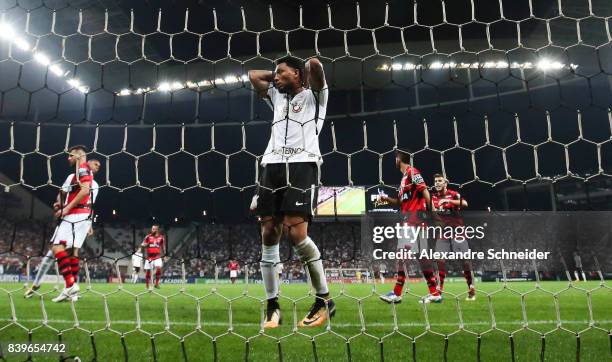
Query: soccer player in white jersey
(137, 259)
(48, 259)
(297, 94)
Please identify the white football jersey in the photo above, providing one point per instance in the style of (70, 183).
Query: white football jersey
(137, 260)
(298, 120)
(67, 187)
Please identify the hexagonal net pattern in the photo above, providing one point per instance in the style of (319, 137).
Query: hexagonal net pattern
(489, 94)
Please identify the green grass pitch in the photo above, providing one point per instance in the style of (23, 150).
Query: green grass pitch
(363, 329)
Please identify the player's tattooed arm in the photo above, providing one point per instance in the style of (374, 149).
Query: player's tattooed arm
(314, 74)
(261, 79)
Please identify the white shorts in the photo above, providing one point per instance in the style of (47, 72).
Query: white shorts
(233, 274)
(72, 231)
(445, 245)
(155, 263)
(415, 244)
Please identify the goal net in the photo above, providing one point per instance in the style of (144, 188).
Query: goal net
(509, 100)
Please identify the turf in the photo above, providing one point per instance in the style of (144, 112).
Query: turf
(363, 329)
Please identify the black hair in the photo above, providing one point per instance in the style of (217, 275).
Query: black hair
(403, 156)
(78, 148)
(294, 63)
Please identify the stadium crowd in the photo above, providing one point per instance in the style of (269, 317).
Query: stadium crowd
(207, 253)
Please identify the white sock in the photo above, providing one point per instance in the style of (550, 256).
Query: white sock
(45, 264)
(270, 256)
(309, 254)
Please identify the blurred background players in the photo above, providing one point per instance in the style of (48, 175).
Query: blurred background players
(66, 188)
(279, 270)
(578, 271)
(448, 204)
(414, 200)
(153, 245)
(233, 270)
(136, 264)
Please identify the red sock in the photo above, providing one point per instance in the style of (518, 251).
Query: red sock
(430, 277)
(63, 261)
(399, 284)
(148, 277)
(467, 273)
(441, 273)
(157, 275)
(74, 267)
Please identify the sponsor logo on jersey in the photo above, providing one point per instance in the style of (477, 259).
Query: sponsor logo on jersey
(290, 150)
(296, 108)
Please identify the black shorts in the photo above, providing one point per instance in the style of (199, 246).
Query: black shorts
(275, 197)
(137, 269)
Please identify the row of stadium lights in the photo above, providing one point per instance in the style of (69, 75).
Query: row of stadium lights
(8, 33)
(543, 64)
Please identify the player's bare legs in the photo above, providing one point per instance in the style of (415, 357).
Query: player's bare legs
(271, 231)
(307, 251)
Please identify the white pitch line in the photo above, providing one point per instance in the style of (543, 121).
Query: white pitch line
(346, 325)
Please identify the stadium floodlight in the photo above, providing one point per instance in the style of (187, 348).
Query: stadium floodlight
(22, 44)
(83, 89)
(57, 70)
(124, 92)
(436, 65)
(546, 64)
(502, 65)
(409, 66)
(219, 81)
(177, 86)
(164, 87)
(74, 82)
(6, 31)
(396, 66)
(42, 59)
(231, 79)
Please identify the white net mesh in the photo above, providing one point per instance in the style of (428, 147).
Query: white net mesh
(489, 94)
